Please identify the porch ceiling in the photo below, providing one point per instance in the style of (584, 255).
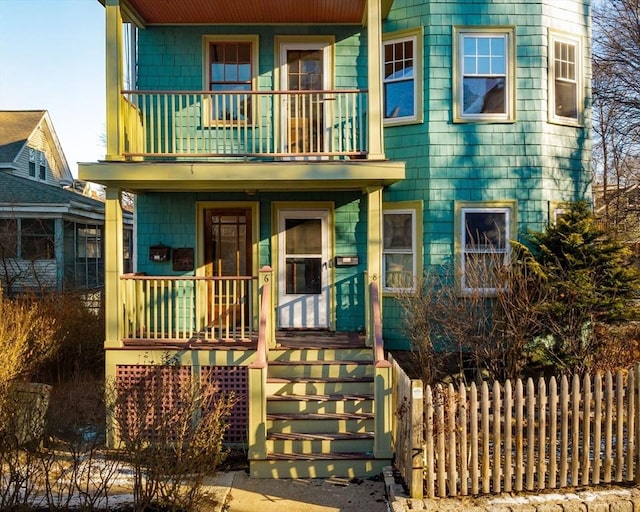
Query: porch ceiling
(242, 177)
(220, 12)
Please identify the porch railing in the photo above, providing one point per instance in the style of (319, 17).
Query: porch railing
(244, 124)
(193, 308)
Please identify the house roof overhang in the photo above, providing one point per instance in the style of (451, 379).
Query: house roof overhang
(243, 12)
(250, 178)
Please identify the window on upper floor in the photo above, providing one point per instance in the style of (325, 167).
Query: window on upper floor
(231, 67)
(482, 237)
(42, 167)
(401, 247)
(565, 98)
(484, 77)
(37, 164)
(33, 162)
(402, 83)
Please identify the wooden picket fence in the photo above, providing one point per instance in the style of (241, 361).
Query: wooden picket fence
(456, 440)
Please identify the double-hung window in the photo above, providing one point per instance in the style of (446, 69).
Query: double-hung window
(400, 248)
(484, 83)
(37, 164)
(231, 63)
(564, 83)
(484, 234)
(402, 61)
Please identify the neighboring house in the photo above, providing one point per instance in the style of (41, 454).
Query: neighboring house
(51, 237)
(618, 210)
(296, 165)
(618, 207)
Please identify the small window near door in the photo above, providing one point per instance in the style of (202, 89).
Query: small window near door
(230, 74)
(399, 250)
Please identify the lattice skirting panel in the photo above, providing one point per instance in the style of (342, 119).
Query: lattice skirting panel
(148, 395)
(234, 379)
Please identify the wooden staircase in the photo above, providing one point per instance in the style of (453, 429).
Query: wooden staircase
(320, 413)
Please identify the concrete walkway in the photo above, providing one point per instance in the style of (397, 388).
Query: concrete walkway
(234, 491)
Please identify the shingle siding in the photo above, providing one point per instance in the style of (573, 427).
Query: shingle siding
(530, 161)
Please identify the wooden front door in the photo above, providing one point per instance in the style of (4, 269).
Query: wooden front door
(227, 254)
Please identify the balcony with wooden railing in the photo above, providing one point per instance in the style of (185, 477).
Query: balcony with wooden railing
(187, 311)
(244, 125)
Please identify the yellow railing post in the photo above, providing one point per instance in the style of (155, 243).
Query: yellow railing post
(266, 277)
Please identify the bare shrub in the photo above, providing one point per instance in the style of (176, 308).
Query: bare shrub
(78, 467)
(171, 430)
(491, 327)
(618, 347)
(79, 338)
(27, 338)
(21, 474)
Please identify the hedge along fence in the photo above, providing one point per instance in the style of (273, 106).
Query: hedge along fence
(517, 437)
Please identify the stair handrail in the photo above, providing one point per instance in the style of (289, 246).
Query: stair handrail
(264, 330)
(378, 343)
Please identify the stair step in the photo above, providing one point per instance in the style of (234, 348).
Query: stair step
(320, 442)
(319, 436)
(339, 397)
(317, 468)
(321, 456)
(287, 380)
(280, 362)
(321, 354)
(320, 416)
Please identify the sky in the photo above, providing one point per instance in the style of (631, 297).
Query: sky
(52, 57)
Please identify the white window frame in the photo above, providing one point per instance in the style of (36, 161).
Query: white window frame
(415, 37)
(42, 166)
(508, 209)
(414, 251)
(33, 163)
(508, 34)
(208, 110)
(576, 43)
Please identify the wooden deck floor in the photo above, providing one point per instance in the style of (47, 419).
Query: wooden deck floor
(295, 338)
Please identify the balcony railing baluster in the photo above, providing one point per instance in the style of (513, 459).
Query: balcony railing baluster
(233, 125)
(187, 309)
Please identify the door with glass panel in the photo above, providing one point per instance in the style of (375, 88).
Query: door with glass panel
(303, 269)
(228, 254)
(303, 113)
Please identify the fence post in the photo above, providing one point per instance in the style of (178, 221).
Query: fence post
(636, 398)
(417, 439)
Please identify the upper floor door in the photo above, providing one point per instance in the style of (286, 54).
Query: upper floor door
(304, 117)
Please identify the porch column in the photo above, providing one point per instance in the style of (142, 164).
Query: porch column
(374, 242)
(60, 256)
(374, 51)
(114, 79)
(113, 257)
